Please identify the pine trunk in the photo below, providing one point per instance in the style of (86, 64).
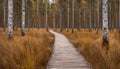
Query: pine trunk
(46, 15)
(38, 15)
(54, 24)
(72, 16)
(68, 15)
(90, 13)
(4, 15)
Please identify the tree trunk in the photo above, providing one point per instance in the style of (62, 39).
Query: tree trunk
(28, 8)
(10, 18)
(46, 15)
(60, 15)
(98, 16)
(73, 16)
(4, 15)
(23, 17)
(54, 24)
(38, 15)
(68, 16)
(90, 13)
(79, 19)
(105, 22)
(119, 18)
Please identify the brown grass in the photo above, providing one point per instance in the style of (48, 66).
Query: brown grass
(90, 45)
(25, 52)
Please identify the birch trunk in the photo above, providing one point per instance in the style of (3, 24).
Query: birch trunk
(46, 15)
(10, 18)
(23, 17)
(4, 15)
(105, 21)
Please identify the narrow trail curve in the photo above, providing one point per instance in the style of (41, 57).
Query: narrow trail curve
(65, 56)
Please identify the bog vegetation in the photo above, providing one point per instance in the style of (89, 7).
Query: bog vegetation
(29, 52)
(90, 45)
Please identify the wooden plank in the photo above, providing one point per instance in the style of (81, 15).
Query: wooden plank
(65, 56)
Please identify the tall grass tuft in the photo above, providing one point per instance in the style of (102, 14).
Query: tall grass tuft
(29, 52)
(90, 45)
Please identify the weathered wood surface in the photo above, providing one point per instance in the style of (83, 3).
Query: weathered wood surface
(65, 55)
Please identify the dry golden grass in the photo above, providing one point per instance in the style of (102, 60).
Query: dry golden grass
(90, 45)
(25, 52)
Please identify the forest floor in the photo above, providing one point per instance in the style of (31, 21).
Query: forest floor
(25, 52)
(90, 45)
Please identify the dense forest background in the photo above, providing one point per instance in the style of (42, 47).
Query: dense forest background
(86, 13)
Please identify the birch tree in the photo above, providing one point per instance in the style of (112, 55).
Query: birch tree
(4, 15)
(10, 18)
(105, 21)
(23, 17)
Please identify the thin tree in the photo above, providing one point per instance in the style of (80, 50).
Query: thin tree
(23, 18)
(79, 7)
(10, 18)
(90, 12)
(54, 14)
(60, 14)
(119, 17)
(68, 17)
(46, 15)
(4, 15)
(28, 11)
(38, 15)
(73, 16)
(105, 22)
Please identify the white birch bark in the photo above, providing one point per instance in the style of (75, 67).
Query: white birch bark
(23, 17)
(10, 18)
(105, 19)
(4, 15)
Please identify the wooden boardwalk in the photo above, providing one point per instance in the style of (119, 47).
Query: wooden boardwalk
(65, 55)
